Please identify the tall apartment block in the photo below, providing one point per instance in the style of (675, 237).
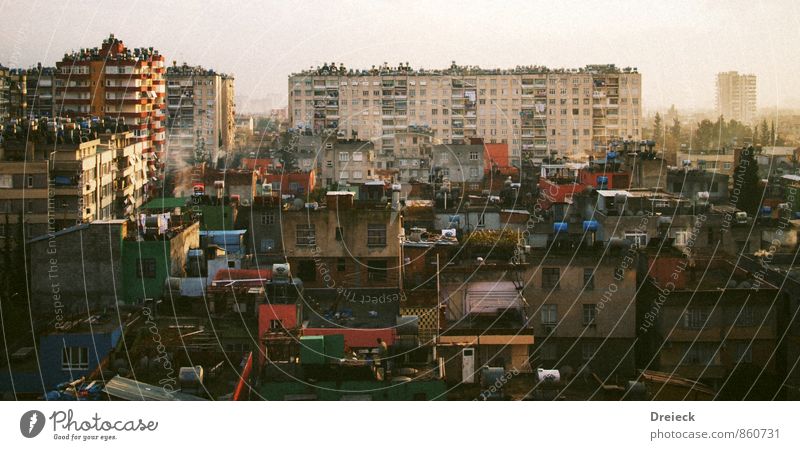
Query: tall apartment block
(736, 96)
(13, 99)
(538, 112)
(41, 87)
(200, 114)
(116, 81)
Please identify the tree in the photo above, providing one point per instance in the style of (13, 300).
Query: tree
(764, 133)
(755, 135)
(657, 135)
(747, 184)
(772, 133)
(672, 139)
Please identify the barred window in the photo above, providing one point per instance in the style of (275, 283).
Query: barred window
(306, 235)
(695, 318)
(376, 235)
(74, 358)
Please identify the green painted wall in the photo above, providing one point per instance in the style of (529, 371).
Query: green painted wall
(134, 288)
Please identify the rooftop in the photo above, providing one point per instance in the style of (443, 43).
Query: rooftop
(405, 69)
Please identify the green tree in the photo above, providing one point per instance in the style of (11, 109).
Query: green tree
(657, 134)
(764, 133)
(747, 184)
(755, 135)
(672, 139)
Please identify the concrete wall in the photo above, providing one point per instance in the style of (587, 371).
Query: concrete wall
(77, 269)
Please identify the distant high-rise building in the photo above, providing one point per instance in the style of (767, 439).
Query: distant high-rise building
(200, 114)
(13, 100)
(119, 82)
(41, 87)
(736, 96)
(538, 112)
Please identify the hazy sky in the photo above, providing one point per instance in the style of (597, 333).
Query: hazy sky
(677, 46)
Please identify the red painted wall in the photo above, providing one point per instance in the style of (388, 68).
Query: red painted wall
(356, 338)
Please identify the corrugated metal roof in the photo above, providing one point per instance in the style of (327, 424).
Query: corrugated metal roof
(492, 297)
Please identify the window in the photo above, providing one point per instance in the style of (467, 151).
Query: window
(703, 353)
(344, 157)
(744, 352)
(30, 181)
(376, 271)
(306, 235)
(588, 278)
(473, 156)
(341, 264)
(357, 156)
(589, 314)
(695, 318)
(588, 349)
(75, 358)
(549, 314)
(747, 317)
(6, 181)
(376, 235)
(267, 219)
(550, 277)
(275, 324)
(146, 268)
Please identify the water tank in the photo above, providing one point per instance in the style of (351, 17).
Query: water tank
(611, 155)
(546, 376)
(602, 181)
(560, 227)
(280, 273)
(766, 210)
(590, 225)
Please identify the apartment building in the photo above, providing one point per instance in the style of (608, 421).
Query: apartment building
(200, 119)
(583, 310)
(460, 164)
(736, 96)
(130, 180)
(23, 191)
(347, 244)
(703, 318)
(82, 174)
(117, 81)
(537, 111)
(13, 100)
(41, 91)
(57, 181)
